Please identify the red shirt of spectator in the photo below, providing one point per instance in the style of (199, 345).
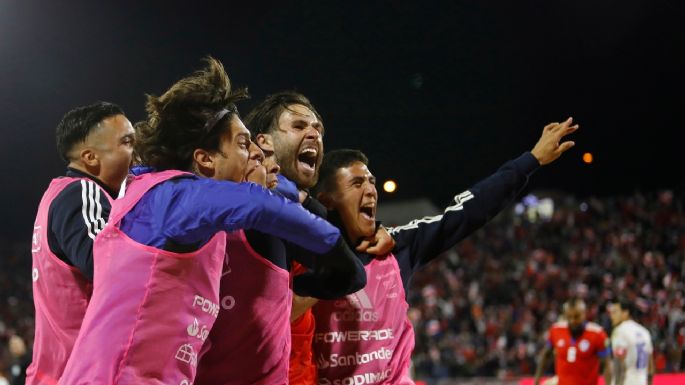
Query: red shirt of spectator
(577, 359)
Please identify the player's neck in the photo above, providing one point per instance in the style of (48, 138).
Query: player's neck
(577, 332)
(80, 167)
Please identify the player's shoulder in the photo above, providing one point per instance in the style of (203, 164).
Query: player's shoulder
(617, 330)
(633, 324)
(621, 328)
(638, 327)
(76, 191)
(557, 328)
(594, 328)
(76, 184)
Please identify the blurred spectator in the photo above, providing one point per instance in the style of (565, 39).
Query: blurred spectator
(482, 310)
(16, 309)
(20, 359)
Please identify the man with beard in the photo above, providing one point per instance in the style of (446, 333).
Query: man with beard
(578, 346)
(288, 123)
(158, 264)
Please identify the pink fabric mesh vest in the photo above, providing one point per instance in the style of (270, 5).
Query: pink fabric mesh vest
(60, 295)
(365, 337)
(151, 309)
(250, 341)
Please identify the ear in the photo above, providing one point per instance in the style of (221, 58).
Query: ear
(203, 162)
(265, 142)
(326, 199)
(89, 157)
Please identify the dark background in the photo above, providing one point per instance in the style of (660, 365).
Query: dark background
(437, 93)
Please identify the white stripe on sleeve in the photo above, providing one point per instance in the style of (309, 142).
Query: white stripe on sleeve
(91, 209)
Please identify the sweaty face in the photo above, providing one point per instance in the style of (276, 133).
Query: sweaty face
(298, 143)
(355, 199)
(231, 160)
(112, 142)
(256, 172)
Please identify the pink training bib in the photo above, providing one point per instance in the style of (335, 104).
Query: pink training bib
(60, 295)
(365, 337)
(151, 309)
(250, 341)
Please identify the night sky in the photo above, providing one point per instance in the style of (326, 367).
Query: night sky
(437, 93)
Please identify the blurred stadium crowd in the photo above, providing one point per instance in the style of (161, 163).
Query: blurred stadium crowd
(484, 307)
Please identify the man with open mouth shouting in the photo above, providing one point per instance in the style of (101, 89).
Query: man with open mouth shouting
(366, 337)
(288, 123)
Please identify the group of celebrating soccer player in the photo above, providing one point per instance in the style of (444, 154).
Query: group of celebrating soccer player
(203, 248)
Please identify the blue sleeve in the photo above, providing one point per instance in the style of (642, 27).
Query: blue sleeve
(287, 188)
(140, 169)
(189, 211)
(604, 353)
(422, 240)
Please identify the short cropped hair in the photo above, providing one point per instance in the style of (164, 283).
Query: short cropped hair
(574, 302)
(332, 162)
(79, 122)
(263, 119)
(626, 305)
(191, 114)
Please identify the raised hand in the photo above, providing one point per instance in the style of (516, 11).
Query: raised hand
(549, 148)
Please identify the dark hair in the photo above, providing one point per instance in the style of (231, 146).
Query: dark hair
(191, 114)
(332, 162)
(79, 122)
(263, 119)
(626, 305)
(573, 302)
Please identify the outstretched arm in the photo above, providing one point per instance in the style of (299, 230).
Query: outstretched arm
(428, 237)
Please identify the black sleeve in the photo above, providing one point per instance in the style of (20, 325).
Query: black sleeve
(315, 207)
(269, 247)
(421, 240)
(335, 274)
(302, 255)
(75, 217)
(332, 275)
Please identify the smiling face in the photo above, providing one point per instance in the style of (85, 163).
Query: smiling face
(298, 145)
(355, 198)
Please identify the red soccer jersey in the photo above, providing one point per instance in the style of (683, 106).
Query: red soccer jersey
(302, 369)
(577, 360)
